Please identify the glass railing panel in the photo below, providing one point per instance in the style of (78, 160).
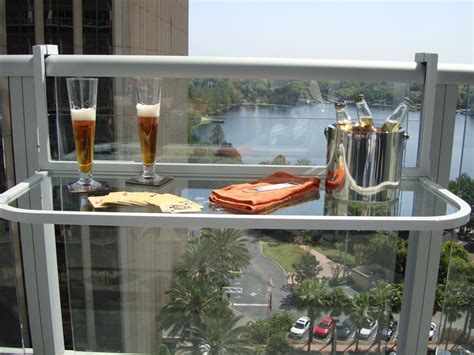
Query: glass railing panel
(228, 121)
(12, 299)
(455, 306)
(147, 289)
(463, 146)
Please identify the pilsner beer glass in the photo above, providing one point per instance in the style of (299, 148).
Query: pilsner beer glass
(82, 94)
(148, 97)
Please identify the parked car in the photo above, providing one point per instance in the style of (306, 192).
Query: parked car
(325, 327)
(300, 328)
(387, 333)
(345, 330)
(368, 329)
(432, 330)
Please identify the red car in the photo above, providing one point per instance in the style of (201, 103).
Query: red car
(324, 328)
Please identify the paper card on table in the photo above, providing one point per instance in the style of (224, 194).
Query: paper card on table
(154, 199)
(180, 207)
(123, 198)
(138, 198)
(96, 201)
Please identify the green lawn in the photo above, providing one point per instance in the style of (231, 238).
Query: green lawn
(333, 254)
(283, 253)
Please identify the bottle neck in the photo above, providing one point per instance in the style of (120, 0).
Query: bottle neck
(399, 114)
(342, 116)
(363, 109)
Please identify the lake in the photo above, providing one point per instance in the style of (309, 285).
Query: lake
(261, 133)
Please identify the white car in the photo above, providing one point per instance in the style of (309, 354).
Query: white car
(368, 329)
(432, 330)
(300, 328)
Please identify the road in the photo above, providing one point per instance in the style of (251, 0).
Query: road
(248, 295)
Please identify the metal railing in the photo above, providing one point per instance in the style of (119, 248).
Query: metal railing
(28, 106)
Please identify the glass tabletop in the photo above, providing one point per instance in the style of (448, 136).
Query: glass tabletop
(414, 199)
(421, 205)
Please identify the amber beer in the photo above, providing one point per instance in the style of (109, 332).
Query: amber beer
(83, 126)
(148, 118)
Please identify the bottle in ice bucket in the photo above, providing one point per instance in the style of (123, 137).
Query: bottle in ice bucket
(366, 120)
(398, 117)
(343, 119)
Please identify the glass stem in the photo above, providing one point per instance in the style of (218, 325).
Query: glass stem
(148, 171)
(85, 177)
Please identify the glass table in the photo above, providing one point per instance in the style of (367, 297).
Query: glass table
(422, 205)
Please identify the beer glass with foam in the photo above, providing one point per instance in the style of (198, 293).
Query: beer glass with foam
(82, 94)
(148, 97)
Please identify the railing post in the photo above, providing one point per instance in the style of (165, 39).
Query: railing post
(424, 248)
(430, 64)
(38, 241)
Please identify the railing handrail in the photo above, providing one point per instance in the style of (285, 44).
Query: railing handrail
(16, 65)
(233, 67)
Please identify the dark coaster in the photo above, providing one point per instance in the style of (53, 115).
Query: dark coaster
(96, 191)
(164, 180)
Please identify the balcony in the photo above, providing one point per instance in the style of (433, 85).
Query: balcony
(110, 280)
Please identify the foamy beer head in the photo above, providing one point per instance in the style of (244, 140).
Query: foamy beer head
(83, 114)
(148, 110)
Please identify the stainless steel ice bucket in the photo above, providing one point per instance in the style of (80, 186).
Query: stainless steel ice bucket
(370, 164)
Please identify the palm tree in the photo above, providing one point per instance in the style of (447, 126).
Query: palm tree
(231, 246)
(340, 303)
(215, 255)
(314, 296)
(220, 334)
(381, 301)
(191, 300)
(201, 261)
(452, 305)
(468, 302)
(360, 314)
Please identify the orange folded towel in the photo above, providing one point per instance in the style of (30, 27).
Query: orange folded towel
(247, 197)
(335, 179)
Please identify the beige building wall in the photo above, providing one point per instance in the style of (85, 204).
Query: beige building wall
(148, 255)
(150, 27)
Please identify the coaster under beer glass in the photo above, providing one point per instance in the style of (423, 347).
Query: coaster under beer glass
(148, 97)
(82, 94)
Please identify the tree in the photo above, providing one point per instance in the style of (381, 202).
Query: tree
(360, 314)
(277, 344)
(381, 300)
(191, 299)
(215, 256)
(163, 350)
(340, 303)
(217, 136)
(360, 254)
(381, 249)
(463, 186)
(314, 296)
(219, 333)
(258, 331)
(452, 304)
(307, 267)
(454, 254)
(201, 261)
(232, 251)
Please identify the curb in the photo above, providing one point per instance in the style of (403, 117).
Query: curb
(266, 257)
